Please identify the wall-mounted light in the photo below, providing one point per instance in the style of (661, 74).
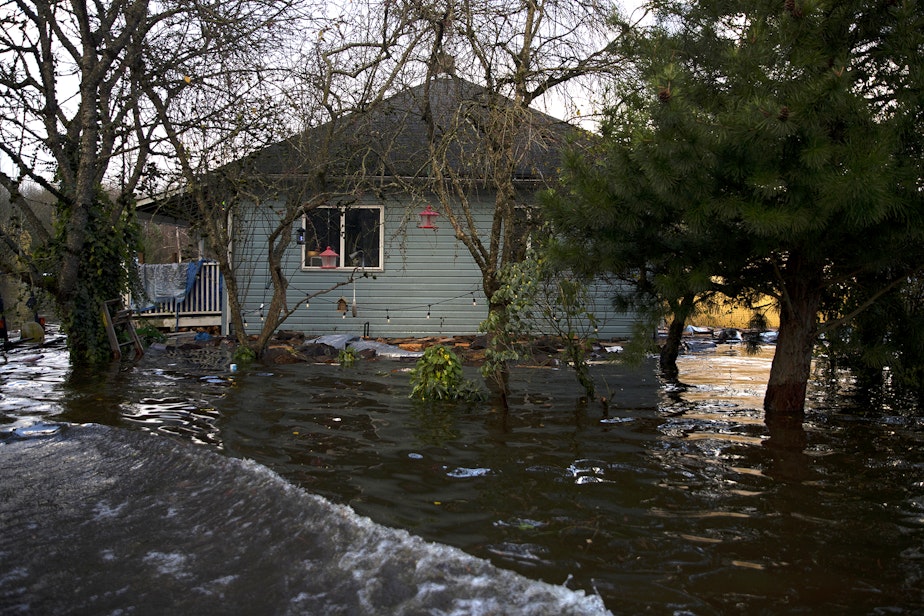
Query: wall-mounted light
(426, 218)
(329, 259)
(300, 236)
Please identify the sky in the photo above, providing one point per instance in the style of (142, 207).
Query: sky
(555, 106)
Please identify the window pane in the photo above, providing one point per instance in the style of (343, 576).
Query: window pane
(322, 229)
(362, 237)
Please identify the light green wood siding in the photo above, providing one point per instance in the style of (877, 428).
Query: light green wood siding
(424, 271)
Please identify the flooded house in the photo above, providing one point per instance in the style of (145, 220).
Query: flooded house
(372, 247)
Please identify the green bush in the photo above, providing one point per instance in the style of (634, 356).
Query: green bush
(438, 376)
(346, 357)
(243, 354)
(150, 334)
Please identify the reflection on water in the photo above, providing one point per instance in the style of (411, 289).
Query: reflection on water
(670, 500)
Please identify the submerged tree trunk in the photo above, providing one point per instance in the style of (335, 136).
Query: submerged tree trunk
(496, 370)
(667, 362)
(792, 361)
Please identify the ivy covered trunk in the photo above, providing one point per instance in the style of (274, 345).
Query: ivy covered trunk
(501, 348)
(96, 273)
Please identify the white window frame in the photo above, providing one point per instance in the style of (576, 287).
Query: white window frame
(341, 248)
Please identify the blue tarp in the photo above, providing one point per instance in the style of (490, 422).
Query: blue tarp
(164, 282)
(341, 341)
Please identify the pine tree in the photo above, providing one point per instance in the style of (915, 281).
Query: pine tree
(627, 199)
(793, 129)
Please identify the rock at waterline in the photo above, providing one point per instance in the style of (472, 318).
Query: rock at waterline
(32, 332)
(104, 520)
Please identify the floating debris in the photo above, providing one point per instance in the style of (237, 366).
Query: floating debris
(465, 473)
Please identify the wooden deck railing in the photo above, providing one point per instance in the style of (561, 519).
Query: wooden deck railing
(201, 308)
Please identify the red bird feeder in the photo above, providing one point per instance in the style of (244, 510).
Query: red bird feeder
(426, 218)
(329, 259)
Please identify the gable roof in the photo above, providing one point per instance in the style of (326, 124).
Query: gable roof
(390, 139)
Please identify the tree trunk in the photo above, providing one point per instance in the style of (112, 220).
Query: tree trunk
(495, 369)
(667, 362)
(235, 311)
(792, 361)
(277, 241)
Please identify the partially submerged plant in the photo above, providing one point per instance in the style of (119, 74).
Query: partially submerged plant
(510, 326)
(243, 354)
(346, 357)
(438, 376)
(149, 334)
(539, 298)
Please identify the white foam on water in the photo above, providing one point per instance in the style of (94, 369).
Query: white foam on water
(465, 473)
(140, 519)
(172, 564)
(471, 586)
(216, 587)
(104, 510)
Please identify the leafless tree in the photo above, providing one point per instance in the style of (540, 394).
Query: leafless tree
(78, 117)
(349, 58)
(522, 55)
(345, 59)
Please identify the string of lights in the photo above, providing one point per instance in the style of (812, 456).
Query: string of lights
(428, 306)
(427, 216)
(373, 309)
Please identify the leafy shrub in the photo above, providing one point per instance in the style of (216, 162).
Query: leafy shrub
(243, 354)
(536, 296)
(438, 376)
(346, 357)
(150, 334)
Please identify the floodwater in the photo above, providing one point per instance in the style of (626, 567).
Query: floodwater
(668, 500)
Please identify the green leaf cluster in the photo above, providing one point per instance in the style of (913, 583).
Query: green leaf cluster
(510, 319)
(243, 354)
(347, 357)
(150, 334)
(540, 298)
(437, 375)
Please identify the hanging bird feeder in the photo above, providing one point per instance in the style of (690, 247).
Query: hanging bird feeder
(426, 218)
(342, 305)
(329, 259)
